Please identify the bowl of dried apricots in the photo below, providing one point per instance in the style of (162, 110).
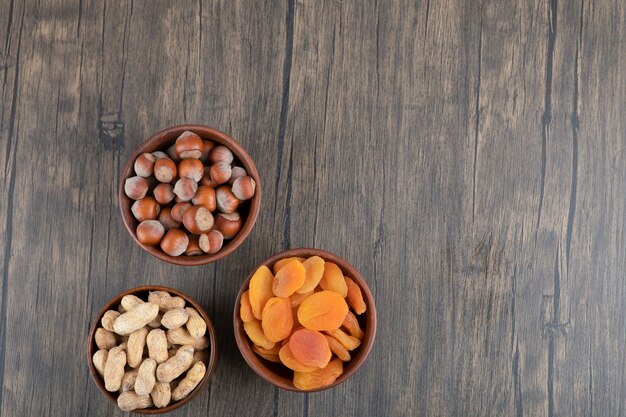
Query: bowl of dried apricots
(305, 320)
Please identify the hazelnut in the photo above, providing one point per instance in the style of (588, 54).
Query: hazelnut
(159, 154)
(165, 170)
(211, 242)
(144, 164)
(166, 219)
(191, 168)
(189, 145)
(221, 154)
(225, 199)
(228, 224)
(220, 172)
(198, 219)
(237, 172)
(136, 188)
(175, 242)
(193, 248)
(179, 210)
(171, 152)
(206, 178)
(207, 145)
(145, 209)
(150, 232)
(243, 188)
(185, 189)
(205, 196)
(163, 193)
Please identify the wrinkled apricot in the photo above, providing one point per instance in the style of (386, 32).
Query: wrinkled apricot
(349, 342)
(355, 297)
(314, 270)
(272, 351)
(351, 324)
(332, 279)
(319, 378)
(288, 279)
(245, 309)
(297, 299)
(286, 357)
(255, 333)
(277, 319)
(260, 290)
(310, 348)
(323, 310)
(285, 261)
(337, 348)
(267, 356)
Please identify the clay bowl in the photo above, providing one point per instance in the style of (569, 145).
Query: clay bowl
(276, 373)
(160, 142)
(142, 292)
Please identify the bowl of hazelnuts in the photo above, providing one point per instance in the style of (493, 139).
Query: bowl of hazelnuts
(189, 195)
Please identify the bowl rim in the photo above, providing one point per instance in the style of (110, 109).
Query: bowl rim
(207, 133)
(257, 364)
(112, 305)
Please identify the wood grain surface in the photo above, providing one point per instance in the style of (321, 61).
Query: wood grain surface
(467, 157)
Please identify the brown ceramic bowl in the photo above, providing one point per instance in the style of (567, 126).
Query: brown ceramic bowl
(142, 292)
(278, 374)
(160, 142)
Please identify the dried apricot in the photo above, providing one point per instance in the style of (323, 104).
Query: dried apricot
(337, 348)
(323, 310)
(245, 309)
(297, 299)
(349, 342)
(319, 378)
(314, 270)
(288, 279)
(277, 319)
(355, 298)
(285, 261)
(287, 358)
(266, 356)
(310, 348)
(260, 290)
(332, 279)
(272, 351)
(351, 324)
(255, 333)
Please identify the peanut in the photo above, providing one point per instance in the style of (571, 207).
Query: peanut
(128, 380)
(189, 382)
(157, 345)
(156, 323)
(174, 318)
(136, 343)
(105, 339)
(161, 394)
(136, 318)
(109, 318)
(130, 301)
(99, 360)
(196, 325)
(181, 336)
(130, 400)
(165, 301)
(176, 365)
(114, 369)
(145, 377)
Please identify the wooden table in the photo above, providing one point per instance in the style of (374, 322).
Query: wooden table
(467, 157)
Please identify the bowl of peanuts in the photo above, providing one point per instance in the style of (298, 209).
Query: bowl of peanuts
(189, 195)
(305, 320)
(151, 349)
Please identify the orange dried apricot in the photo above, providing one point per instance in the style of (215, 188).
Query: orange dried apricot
(355, 298)
(314, 270)
(310, 348)
(245, 309)
(255, 333)
(267, 356)
(349, 342)
(351, 324)
(337, 348)
(319, 378)
(272, 351)
(260, 290)
(332, 279)
(324, 310)
(297, 299)
(286, 357)
(288, 279)
(277, 319)
(285, 261)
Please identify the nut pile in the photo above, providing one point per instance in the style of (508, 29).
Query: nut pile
(153, 352)
(186, 200)
(300, 316)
